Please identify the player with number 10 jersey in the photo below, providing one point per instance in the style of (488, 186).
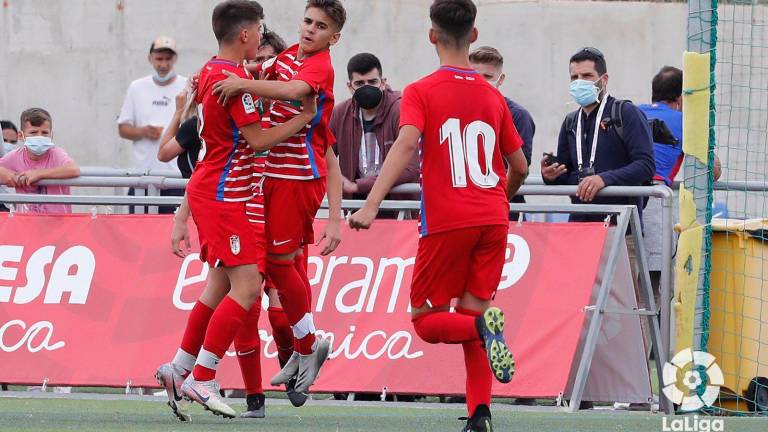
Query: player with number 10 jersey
(466, 128)
(465, 134)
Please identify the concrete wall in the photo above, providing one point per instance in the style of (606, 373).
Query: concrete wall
(77, 57)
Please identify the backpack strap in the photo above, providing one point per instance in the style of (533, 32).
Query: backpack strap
(570, 121)
(617, 119)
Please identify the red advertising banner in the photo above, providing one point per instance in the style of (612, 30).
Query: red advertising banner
(102, 301)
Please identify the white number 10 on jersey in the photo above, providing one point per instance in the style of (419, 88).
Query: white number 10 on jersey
(464, 152)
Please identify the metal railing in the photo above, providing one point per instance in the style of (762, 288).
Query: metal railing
(150, 183)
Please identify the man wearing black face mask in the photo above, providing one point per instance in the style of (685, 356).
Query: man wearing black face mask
(366, 126)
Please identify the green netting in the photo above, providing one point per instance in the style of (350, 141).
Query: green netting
(732, 297)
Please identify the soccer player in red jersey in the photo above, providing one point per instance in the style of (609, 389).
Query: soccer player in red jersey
(466, 134)
(218, 192)
(295, 175)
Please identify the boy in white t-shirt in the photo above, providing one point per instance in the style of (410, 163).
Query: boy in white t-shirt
(148, 109)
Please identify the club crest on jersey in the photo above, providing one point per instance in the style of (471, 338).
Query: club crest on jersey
(234, 244)
(248, 105)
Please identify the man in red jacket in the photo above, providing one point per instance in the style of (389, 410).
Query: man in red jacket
(366, 126)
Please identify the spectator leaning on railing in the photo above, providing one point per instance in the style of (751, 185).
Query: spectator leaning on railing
(606, 142)
(366, 126)
(39, 159)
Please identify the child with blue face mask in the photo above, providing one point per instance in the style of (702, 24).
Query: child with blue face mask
(38, 159)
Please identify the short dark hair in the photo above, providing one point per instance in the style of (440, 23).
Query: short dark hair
(7, 124)
(453, 20)
(486, 55)
(333, 8)
(591, 54)
(274, 40)
(363, 63)
(35, 117)
(231, 16)
(667, 85)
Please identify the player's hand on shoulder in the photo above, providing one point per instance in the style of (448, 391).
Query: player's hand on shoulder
(362, 219)
(228, 88)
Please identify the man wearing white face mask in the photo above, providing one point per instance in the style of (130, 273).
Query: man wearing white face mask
(39, 159)
(148, 109)
(606, 142)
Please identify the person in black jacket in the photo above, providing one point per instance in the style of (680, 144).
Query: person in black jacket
(599, 145)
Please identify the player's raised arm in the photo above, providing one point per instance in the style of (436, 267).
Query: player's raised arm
(264, 139)
(396, 162)
(233, 86)
(517, 171)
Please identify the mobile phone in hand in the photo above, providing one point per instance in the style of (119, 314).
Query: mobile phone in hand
(550, 159)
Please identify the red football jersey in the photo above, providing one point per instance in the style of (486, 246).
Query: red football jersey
(224, 170)
(302, 156)
(466, 127)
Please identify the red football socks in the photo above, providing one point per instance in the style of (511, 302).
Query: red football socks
(281, 332)
(479, 375)
(224, 325)
(248, 347)
(194, 333)
(300, 262)
(292, 290)
(446, 327)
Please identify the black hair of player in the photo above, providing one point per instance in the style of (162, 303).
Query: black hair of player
(230, 16)
(453, 20)
(333, 8)
(363, 63)
(667, 85)
(274, 40)
(593, 55)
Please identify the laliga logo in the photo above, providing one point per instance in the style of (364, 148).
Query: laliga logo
(692, 380)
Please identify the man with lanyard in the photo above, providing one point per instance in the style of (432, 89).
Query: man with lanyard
(620, 150)
(616, 140)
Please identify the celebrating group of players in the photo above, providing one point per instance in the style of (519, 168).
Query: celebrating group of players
(261, 177)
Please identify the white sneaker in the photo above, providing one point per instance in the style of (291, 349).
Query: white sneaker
(309, 365)
(171, 377)
(288, 371)
(206, 393)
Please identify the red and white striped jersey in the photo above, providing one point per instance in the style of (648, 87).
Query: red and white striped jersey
(254, 208)
(302, 156)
